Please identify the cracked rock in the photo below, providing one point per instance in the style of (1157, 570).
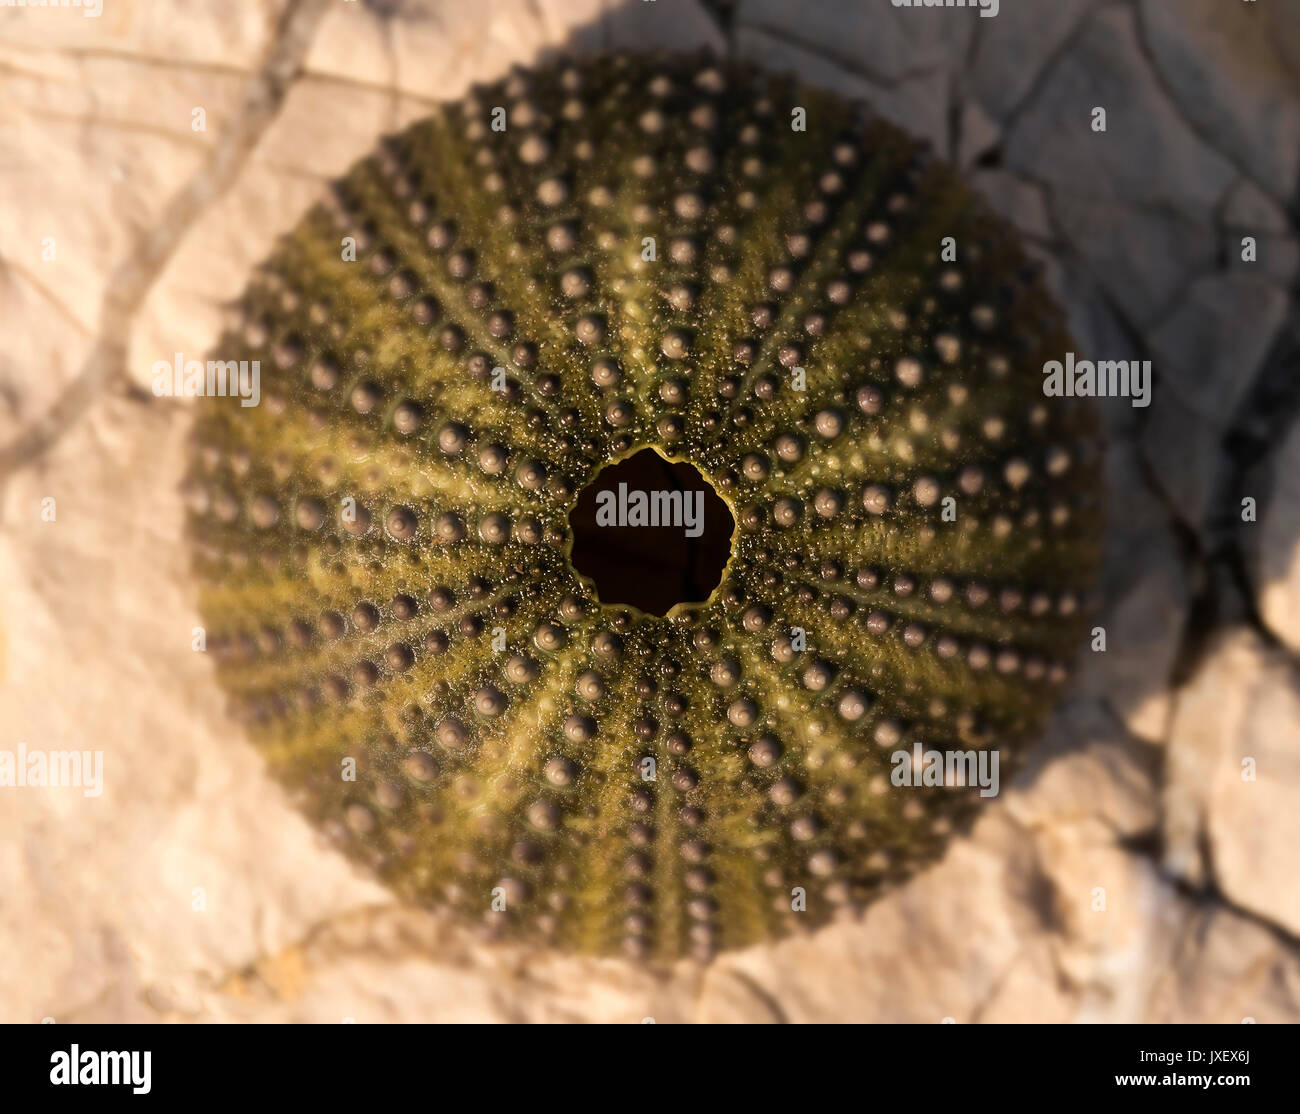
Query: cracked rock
(1145, 591)
(1087, 769)
(1233, 775)
(1220, 62)
(1183, 449)
(1144, 257)
(1054, 140)
(1020, 201)
(1210, 350)
(883, 44)
(1016, 49)
(1227, 970)
(1118, 921)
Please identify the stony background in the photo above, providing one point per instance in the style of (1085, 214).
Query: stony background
(1138, 788)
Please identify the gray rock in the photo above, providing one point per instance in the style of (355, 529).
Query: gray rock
(917, 104)
(1250, 209)
(1018, 47)
(769, 50)
(1097, 330)
(1018, 200)
(979, 134)
(1276, 550)
(1219, 61)
(1285, 37)
(1277, 258)
(1209, 351)
(1143, 256)
(1145, 588)
(883, 44)
(1184, 451)
(1087, 768)
(1148, 154)
(1233, 777)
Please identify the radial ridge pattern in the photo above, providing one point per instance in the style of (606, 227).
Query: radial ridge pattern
(642, 251)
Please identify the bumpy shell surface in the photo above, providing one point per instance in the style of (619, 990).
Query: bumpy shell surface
(646, 255)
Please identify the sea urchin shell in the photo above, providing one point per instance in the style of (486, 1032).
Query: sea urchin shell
(566, 267)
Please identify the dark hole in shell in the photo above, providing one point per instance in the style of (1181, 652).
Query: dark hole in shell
(651, 567)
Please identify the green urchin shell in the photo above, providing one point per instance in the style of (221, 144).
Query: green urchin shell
(371, 535)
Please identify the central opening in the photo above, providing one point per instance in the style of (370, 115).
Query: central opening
(651, 533)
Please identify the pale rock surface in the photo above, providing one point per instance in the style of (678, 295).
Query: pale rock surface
(1232, 773)
(103, 661)
(97, 137)
(1227, 969)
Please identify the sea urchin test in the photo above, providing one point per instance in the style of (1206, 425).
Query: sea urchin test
(685, 261)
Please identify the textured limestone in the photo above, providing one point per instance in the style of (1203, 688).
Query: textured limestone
(1019, 49)
(1022, 203)
(1211, 348)
(882, 44)
(1232, 769)
(1222, 63)
(1142, 256)
(1183, 449)
(1104, 67)
(1207, 355)
(1145, 593)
